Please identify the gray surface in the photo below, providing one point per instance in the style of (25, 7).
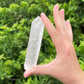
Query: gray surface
(34, 44)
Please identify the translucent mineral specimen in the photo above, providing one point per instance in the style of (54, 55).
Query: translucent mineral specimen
(34, 44)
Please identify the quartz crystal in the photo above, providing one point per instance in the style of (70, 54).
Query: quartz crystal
(34, 44)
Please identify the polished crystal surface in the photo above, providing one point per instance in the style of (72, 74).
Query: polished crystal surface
(34, 44)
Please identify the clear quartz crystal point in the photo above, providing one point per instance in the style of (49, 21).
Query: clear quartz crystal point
(34, 44)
